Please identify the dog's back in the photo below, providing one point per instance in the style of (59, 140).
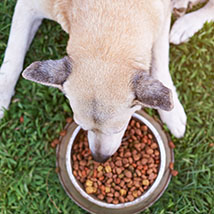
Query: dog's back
(110, 29)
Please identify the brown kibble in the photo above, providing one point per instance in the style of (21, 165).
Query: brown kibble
(116, 194)
(130, 160)
(53, 145)
(127, 180)
(94, 189)
(107, 189)
(83, 173)
(125, 161)
(145, 182)
(57, 170)
(174, 173)
(137, 125)
(119, 171)
(129, 184)
(101, 178)
(138, 146)
(144, 161)
(149, 151)
(138, 132)
(135, 193)
(130, 197)
(171, 165)
(134, 138)
(109, 199)
(121, 199)
(157, 153)
(99, 174)
(117, 187)
(145, 128)
(128, 174)
(69, 120)
(89, 183)
(109, 181)
(132, 189)
(109, 175)
(138, 172)
(128, 154)
(83, 162)
(74, 157)
(55, 141)
(123, 192)
(115, 201)
(100, 196)
(99, 168)
(110, 195)
(108, 169)
(121, 175)
(89, 189)
(118, 163)
(63, 133)
(95, 173)
(171, 145)
(136, 157)
(150, 136)
(152, 176)
(149, 171)
(21, 119)
(154, 146)
(122, 183)
(132, 123)
(117, 181)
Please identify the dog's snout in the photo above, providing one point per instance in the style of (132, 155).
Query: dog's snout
(100, 158)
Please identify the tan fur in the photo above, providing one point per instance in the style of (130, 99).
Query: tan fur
(109, 41)
(107, 45)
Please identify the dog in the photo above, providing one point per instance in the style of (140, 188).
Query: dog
(117, 62)
(187, 25)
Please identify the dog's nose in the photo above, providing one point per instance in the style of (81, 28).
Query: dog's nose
(100, 158)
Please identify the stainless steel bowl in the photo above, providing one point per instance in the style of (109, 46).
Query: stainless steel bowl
(75, 191)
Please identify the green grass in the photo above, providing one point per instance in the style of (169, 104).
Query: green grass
(28, 182)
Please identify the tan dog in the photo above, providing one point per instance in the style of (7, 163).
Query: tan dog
(117, 62)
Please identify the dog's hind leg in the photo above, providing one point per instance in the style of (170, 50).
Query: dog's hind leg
(187, 25)
(176, 118)
(25, 22)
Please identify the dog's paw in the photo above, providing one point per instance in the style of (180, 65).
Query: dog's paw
(175, 120)
(185, 27)
(5, 99)
(6, 93)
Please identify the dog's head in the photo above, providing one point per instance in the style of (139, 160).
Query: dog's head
(103, 96)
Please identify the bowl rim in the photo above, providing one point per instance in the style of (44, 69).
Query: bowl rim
(145, 195)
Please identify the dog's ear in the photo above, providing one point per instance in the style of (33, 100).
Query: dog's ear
(151, 92)
(50, 72)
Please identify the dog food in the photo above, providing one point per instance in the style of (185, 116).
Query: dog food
(127, 174)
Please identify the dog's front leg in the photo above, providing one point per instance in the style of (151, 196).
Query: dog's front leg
(176, 118)
(25, 23)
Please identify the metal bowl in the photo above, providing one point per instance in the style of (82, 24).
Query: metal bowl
(75, 191)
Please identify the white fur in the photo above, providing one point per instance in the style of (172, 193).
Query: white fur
(187, 25)
(26, 20)
(176, 118)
